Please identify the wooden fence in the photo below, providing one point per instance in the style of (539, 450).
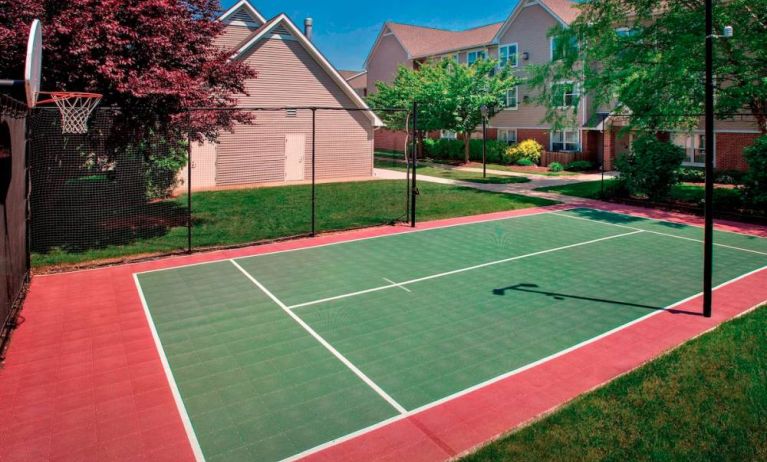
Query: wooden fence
(564, 158)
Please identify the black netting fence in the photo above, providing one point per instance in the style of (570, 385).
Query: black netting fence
(121, 192)
(14, 263)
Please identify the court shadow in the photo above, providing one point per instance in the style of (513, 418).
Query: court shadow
(535, 289)
(621, 219)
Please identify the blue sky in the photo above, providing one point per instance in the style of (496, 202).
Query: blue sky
(345, 30)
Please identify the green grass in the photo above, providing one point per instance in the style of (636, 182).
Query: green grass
(390, 154)
(692, 194)
(514, 168)
(241, 216)
(704, 401)
(455, 174)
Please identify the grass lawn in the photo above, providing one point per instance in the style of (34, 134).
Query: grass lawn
(681, 192)
(454, 174)
(234, 217)
(518, 169)
(706, 400)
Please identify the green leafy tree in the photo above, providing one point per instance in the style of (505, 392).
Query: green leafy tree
(450, 96)
(651, 168)
(646, 58)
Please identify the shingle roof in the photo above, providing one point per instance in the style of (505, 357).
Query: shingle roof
(349, 74)
(426, 41)
(567, 10)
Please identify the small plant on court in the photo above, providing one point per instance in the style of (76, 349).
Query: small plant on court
(579, 166)
(527, 149)
(651, 168)
(555, 167)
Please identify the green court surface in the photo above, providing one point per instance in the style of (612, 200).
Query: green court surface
(276, 354)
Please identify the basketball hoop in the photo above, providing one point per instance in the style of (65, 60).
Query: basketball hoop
(75, 108)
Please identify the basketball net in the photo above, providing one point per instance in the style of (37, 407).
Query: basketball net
(75, 109)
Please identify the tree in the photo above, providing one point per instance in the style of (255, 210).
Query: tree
(646, 58)
(450, 95)
(153, 58)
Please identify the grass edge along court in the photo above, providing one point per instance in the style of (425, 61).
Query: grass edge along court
(342, 319)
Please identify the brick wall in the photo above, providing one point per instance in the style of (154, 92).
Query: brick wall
(390, 140)
(729, 150)
(539, 135)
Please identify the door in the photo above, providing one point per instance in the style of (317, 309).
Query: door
(295, 148)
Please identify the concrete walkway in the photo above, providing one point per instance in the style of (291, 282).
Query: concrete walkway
(525, 189)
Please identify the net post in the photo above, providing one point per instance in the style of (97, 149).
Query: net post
(189, 194)
(708, 203)
(413, 188)
(314, 184)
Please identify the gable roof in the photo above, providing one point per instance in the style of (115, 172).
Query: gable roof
(247, 7)
(564, 11)
(348, 75)
(421, 42)
(282, 21)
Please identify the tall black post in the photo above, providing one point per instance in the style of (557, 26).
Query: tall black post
(708, 239)
(413, 187)
(189, 195)
(314, 164)
(484, 146)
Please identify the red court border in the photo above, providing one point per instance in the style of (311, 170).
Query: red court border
(84, 381)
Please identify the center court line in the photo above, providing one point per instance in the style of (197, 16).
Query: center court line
(398, 285)
(461, 270)
(658, 233)
(324, 342)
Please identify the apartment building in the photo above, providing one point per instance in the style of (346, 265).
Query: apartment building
(520, 40)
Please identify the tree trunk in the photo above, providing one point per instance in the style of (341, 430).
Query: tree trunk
(466, 147)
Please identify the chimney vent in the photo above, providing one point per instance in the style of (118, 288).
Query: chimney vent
(308, 23)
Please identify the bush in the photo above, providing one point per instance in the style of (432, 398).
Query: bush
(691, 175)
(651, 168)
(555, 167)
(755, 181)
(525, 162)
(454, 150)
(527, 149)
(579, 166)
(735, 177)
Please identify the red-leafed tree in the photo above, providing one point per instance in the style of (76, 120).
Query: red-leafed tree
(153, 58)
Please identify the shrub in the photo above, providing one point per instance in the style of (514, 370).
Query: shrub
(735, 177)
(555, 167)
(579, 166)
(525, 162)
(691, 175)
(454, 150)
(527, 149)
(755, 181)
(651, 168)
(496, 151)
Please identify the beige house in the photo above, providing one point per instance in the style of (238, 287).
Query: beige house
(293, 75)
(357, 80)
(520, 40)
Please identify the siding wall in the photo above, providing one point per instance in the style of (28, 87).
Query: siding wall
(383, 63)
(233, 36)
(288, 76)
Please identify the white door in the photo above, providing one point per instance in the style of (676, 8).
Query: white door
(295, 148)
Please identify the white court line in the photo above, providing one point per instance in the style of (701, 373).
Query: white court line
(509, 374)
(398, 285)
(658, 233)
(196, 449)
(460, 270)
(410, 231)
(323, 342)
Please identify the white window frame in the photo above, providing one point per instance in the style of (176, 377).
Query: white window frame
(476, 52)
(576, 145)
(576, 93)
(448, 135)
(516, 99)
(508, 55)
(551, 48)
(693, 142)
(505, 138)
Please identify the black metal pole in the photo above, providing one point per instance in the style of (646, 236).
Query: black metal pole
(484, 146)
(708, 239)
(189, 195)
(413, 187)
(314, 185)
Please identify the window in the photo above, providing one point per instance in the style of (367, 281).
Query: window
(512, 98)
(508, 56)
(624, 32)
(694, 146)
(508, 135)
(448, 135)
(474, 56)
(565, 94)
(564, 140)
(560, 50)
